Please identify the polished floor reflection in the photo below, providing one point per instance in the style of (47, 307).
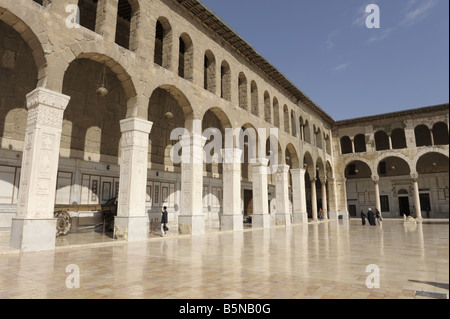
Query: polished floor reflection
(318, 260)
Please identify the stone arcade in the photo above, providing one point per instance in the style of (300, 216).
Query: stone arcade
(62, 144)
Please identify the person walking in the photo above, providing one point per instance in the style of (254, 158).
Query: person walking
(363, 217)
(371, 217)
(164, 221)
(378, 216)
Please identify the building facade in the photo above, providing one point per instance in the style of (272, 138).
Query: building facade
(175, 74)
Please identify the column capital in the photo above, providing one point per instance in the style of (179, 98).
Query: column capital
(281, 168)
(259, 161)
(376, 178)
(231, 155)
(414, 176)
(135, 124)
(43, 96)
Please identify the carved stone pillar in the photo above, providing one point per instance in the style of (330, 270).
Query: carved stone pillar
(131, 222)
(261, 216)
(299, 196)
(415, 182)
(232, 218)
(332, 198)
(376, 181)
(323, 183)
(191, 220)
(34, 228)
(283, 214)
(314, 199)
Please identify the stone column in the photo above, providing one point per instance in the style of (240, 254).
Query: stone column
(261, 216)
(323, 183)
(376, 180)
(415, 181)
(107, 19)
(283, 215)
(232, 218)
(333, 199)
(191, 220)
(34, 228)
(131, 222)
(314, 199)
(299, 196)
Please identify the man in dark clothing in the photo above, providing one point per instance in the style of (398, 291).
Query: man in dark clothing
(371, 217)
(164, 221)
(363, 217)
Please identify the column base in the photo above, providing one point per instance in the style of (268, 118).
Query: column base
(338, 215)
(300, 218)
(33, 234)
(232, 222)
(261, 221)
(131, 228)
(282, 219)
(191, 225)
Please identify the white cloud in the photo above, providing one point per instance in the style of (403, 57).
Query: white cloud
(360, 16)
(416, 11)
(381, 35)
(329, 43)
(341, 67)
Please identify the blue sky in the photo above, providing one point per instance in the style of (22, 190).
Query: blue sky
(349, 70)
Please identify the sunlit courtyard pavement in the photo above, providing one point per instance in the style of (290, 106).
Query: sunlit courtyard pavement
(333, 259)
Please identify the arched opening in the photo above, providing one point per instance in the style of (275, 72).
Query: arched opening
(161, 102)
(126, 21)
(357, 170)
(163, 43)
(293, 124)
(214, 123)
(398, 139)
(225, 80)
(433, 169)
(307, 132)
(360, 191)
(276, 113)
(381, 141)
(186, 57)
(209, 72)
(360, 143)
(440, 133)
(308, 165)
(346, 145)
(18, 77)
(254, 98)
(88, 13)
(267, 108)
(94, 130)
(301, 128)
(393, 166)
(422, 135)
(287, 127)
(242, 91)
(248, 143)
(318, 135)
(327, 143)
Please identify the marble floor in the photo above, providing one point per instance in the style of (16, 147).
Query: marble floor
(329, 260)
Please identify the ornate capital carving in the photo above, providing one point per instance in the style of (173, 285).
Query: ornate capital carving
(41, 96)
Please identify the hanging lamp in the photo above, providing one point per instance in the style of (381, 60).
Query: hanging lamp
(102, 91)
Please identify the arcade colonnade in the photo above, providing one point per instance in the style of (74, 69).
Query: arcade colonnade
(47, 129)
